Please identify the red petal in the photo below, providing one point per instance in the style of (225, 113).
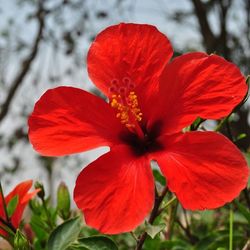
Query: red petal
(21, 190)
(204, 169)
(68, 120)
(196, 84)
(115, 192)
(128, 52)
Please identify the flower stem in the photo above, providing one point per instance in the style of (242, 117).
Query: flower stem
(167, 204)
(9, 236)
(134, 236)
(153, 216)
(221, 124)
(8, 225)
(231, 218)
(192, 238)
(172, 214)
(50, 224)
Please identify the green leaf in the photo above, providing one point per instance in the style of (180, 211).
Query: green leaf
(20, 241)
(195, 125)
(217, 239)
(241, 136)
(158, 177)
(39, 227)
(177, 244)
(11, 207)
(97, 243)
(153, 244)
(153, 230)
(65, 234)
(247, 156)
(243, 211)
(63, 201)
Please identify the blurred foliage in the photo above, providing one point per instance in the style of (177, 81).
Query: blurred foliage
(174, 228)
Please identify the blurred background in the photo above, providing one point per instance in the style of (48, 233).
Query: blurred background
(43, 44)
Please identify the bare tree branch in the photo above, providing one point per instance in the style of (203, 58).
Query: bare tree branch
(26, 64)
(223, 36)
(206, 31)
(247, 8)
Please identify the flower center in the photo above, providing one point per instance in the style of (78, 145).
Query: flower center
(125, 101)
(128, 109)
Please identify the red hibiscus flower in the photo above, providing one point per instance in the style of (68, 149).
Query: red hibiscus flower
(150, 101)
(23, 197)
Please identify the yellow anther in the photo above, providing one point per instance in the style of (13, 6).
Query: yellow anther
(114, 103)
(130, 125)
(129, 111)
